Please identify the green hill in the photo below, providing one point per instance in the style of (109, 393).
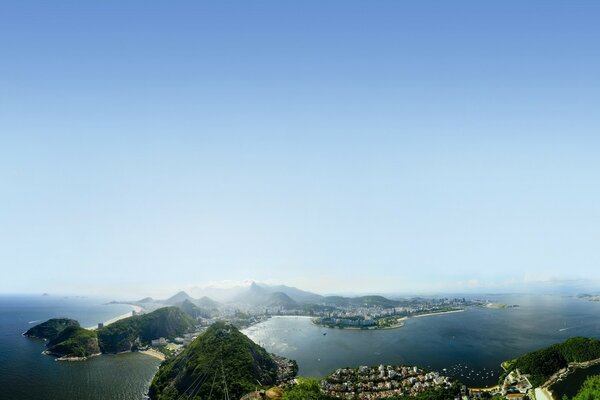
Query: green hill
(542, 364)
(590, 389)
(167, 322)
(222, 353)
(193, 310)
(50, 329)
(178, 298)
(74, 341)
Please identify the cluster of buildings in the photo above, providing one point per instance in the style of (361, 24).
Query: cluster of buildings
(515, 386)
(369, 315)
(381, 382)
(357, 321)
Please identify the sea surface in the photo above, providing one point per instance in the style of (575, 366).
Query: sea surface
(470, 345)
(26, 374)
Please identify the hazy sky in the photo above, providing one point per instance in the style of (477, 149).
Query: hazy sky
(333, 145)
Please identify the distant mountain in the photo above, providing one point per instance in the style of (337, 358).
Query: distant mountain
(146, 300)
(263, 295)
(298, 295)
(167, 322)
(177, 298)
(361, 301)
(222, 295)
(243, 293)
(254, 295)
(50, 329)
(206, 302)
(222, 354)
(193, 310)
(279, 299)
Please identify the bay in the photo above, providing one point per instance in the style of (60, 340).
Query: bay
(26, 374)
(470, 345)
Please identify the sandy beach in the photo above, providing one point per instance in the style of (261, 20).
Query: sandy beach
(128, 314)
(153, 353)
(436, 313)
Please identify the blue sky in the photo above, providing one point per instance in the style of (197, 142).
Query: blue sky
(394, 146)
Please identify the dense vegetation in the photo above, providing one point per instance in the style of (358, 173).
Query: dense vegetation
(306, 389)
(542, 364)
(309, 389)
(590, 389)
(74, 341)
(50, 329)
(167, 322)
(221, 353)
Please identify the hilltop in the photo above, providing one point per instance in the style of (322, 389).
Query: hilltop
(193, 310)
(167, 322)
(542, 364)
(221, 353)
(66, 338)
(50, 329)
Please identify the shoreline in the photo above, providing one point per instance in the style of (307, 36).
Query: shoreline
(400, 324)
(153, 353)
(128, 314)
(546, 388)
(437, 313)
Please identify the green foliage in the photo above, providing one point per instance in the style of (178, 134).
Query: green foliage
(306, 389)
(50, 329)
(542, 364)
(590, 389)
(167, 322)
(434, 393)
(74, 341)
(220, 351)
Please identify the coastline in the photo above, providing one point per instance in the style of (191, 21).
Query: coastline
(399, 324)
(546, 391)
(153, 353)
(128, 314)
(437, 313)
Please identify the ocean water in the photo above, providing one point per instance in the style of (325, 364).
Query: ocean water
(26, 374)
(470, 345)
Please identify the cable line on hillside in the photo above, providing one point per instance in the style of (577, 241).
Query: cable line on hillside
(224, 381)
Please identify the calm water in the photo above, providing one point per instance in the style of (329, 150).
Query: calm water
(477, 340)
(26, 374)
